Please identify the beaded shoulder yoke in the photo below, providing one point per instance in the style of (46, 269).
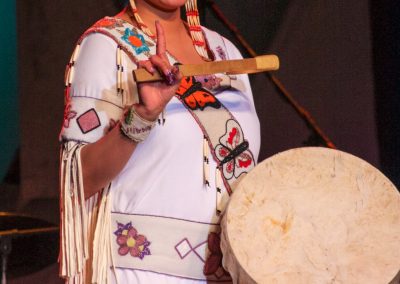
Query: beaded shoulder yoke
(222, 132)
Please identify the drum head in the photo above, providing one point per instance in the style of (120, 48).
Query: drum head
(313, 215)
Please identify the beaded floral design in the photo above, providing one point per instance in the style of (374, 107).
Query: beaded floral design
(108, 23)
(68, 115)
(135, 40)
(130, 241)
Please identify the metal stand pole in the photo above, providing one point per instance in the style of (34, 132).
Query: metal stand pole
(5, 250)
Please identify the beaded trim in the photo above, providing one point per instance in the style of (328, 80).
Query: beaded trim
(135, 127)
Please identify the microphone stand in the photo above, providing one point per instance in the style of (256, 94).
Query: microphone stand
(317, 133)
(6, 244)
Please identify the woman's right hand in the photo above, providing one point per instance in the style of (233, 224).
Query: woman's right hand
(154, 96)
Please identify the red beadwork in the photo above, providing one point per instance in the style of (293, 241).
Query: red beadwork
(195, 28)
(192, 13)
(199, 43)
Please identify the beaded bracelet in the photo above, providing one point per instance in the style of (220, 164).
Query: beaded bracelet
(136, 127)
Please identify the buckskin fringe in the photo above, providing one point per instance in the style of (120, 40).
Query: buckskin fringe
(84, 224)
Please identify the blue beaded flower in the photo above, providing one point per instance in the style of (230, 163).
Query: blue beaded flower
(135, 40)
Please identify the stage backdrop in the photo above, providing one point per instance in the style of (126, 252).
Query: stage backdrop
(325, 52)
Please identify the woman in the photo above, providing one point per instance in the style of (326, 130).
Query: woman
(146, 169)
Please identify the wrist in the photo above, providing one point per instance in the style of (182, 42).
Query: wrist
(135, 127)
(145, 114)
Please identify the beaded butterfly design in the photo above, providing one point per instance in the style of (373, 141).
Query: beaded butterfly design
(195, 96)
(233, 151)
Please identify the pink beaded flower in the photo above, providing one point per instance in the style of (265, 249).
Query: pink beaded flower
(130, 241)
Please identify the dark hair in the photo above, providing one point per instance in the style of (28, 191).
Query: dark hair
(121, 3)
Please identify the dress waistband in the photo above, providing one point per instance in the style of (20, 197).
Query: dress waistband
(163, 245)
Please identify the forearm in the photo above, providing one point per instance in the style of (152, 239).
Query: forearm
(103, 160)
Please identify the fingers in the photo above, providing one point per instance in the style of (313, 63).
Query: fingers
(170, 73)
(161, 42)
(174, 76)
(146, 64)
(160, 59)
(162, 65)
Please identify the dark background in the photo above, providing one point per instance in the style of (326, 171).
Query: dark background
(339, 59)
